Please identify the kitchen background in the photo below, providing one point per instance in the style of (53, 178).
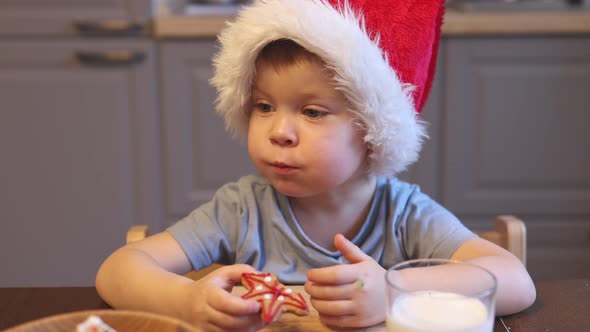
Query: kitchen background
(106, 121)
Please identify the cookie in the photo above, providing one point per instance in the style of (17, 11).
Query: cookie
(274, 297)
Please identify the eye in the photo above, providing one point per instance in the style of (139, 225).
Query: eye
(314, 114)
(263, 107)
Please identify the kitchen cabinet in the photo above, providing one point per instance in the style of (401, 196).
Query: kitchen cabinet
(199, 155)
(516, 141)
(79, 145)
(67, 18)
(425, 172)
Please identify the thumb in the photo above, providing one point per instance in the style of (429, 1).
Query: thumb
(349, 250)
(227, 276)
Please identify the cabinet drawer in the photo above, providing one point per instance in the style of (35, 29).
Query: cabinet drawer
(74, 54)
(73, 17)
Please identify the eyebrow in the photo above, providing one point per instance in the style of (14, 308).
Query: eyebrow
(303, 95)
(258, 91)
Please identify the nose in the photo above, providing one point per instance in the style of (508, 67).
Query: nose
(283, 131)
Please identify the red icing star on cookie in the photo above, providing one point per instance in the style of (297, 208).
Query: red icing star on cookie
(273, 296)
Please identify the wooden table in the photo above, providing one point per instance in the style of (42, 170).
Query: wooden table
(561, 306)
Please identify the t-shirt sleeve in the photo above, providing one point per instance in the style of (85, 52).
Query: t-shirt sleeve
(430, 230)
(209, 233)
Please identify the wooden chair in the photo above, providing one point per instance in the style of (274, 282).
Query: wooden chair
(509, 233)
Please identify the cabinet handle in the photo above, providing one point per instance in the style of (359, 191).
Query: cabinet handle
(112, 28)
(110, 58)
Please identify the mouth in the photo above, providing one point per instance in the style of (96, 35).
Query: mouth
(280, 165)
(282, 168)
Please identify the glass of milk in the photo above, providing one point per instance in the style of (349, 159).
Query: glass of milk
(440, 295)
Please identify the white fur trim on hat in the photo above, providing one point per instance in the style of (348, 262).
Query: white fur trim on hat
(379, 100)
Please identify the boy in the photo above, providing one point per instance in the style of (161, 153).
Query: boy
(328, 103)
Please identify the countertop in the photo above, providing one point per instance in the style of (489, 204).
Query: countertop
(456, 23)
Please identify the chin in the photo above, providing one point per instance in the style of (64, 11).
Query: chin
(299, 190)
(288, 190)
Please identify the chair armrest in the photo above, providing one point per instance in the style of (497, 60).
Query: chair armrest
(136, 233)
(514, 230)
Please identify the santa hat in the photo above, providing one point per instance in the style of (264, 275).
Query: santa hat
(382, 52)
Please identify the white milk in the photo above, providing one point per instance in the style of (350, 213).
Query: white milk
(431, 311)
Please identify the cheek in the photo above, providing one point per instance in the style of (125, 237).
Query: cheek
(253, 137)
(253, 145)
(341, 157)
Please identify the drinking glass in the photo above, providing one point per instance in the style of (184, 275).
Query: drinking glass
(440, 295)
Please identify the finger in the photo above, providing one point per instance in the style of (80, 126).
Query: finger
(339, 320)
(227, 276)
(251, 328)
(330, 292)
(349, 250)
(231, 304)
(333, 275)
(210, 327)
(233, 272)
(333, 308)
(227, 321)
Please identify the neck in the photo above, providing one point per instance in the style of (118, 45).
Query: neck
(343, 210)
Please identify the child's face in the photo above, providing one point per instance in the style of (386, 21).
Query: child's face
(301, 136)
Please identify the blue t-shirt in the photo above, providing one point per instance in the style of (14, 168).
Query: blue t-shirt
(249, 222)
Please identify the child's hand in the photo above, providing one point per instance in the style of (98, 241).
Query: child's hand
(211, 307)
(348, 295)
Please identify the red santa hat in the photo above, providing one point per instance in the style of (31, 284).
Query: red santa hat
(382, 53)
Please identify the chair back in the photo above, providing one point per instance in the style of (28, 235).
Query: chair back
(509, 233)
